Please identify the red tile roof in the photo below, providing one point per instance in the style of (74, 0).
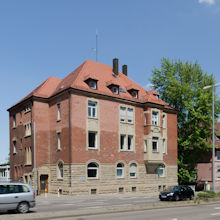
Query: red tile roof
(97, 71)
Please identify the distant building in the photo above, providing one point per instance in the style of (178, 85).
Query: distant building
(97, 131)
(4, 173)
(205, 166)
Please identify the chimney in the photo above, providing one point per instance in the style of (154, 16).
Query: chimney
(125, 70)
(115, 66)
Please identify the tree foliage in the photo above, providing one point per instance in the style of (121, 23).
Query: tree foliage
(181, 86)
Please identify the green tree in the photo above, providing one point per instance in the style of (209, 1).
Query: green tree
(181, 86)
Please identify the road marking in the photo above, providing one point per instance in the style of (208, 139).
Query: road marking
(174, 219)
(215, 214)
(217, 207)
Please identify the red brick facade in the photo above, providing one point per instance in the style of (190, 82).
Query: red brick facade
(74, 126)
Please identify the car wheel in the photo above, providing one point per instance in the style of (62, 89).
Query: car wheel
(23, 207)
(177, 198)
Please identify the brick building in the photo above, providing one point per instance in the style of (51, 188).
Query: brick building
(96, 131)
(205, 167)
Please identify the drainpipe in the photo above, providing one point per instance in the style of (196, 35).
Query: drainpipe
(70, 156)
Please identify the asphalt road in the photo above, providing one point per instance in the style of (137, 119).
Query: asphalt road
(54, 203)
(201, 212)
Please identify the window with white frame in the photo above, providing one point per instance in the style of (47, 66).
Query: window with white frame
(14, 121)
(122, 114)
(164, 146)
(93, 84)
(155, 144)
(92, 140)
(126, 115)
(126, 142)
(161, 171)
(123, 142)
(115, 90)
(120, 170)
(155, 118)
(58, 112)
(218, 155)
(58, 141)
(130, 115)
(133, 170)
(218, 174)
(92, 170)
(164, 121)
(27, 129)
(60, 170)
(130, 142)
(92, 109)
(14, 147)
(145, 118)
(145, 146)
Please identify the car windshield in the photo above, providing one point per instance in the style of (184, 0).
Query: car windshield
(172, 188)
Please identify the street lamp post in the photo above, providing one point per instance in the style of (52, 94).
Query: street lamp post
(213, 132)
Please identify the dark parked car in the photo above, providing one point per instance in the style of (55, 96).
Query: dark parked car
(177, 193)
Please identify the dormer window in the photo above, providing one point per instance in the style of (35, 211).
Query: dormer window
(133, 92)
(93, 84)
(115, 90)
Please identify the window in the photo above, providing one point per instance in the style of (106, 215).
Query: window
(60, 170)
(218, 174)
(155, 144)
(160, 171)
(93, 84)
(122, 114)
(130, 115)
(164, 121)
(218, 155)
(28, 155)
(126, 142)
(154, 118)
(164, 146)
(115, 90)
(58, 141)
(134, 94)
(14, 147)
(120, 170)
(145, 146)
(126, 115)
(122, 144)
(92, 170)
(92, 109)
(14, 121)
(130, 142)
(27, 129)
(133, 170)
(58, 112)
(92, 139)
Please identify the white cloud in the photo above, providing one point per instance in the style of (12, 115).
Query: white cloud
(210, 2)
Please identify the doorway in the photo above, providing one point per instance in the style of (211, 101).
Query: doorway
(43, 184)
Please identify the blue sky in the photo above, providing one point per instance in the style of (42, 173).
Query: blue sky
(42, 38)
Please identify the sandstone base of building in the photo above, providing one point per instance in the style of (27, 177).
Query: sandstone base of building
(107, 182)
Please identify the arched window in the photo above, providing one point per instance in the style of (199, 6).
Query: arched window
(161, 170)
(92, 170)
(133, 170)
(60, 170)
(120, 170)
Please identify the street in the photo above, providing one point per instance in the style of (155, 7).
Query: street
(201, 212)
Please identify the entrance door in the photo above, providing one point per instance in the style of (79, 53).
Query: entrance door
(44, 184)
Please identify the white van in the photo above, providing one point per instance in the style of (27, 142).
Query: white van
(16, 196)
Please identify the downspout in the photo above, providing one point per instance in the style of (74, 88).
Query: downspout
(70, 156)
